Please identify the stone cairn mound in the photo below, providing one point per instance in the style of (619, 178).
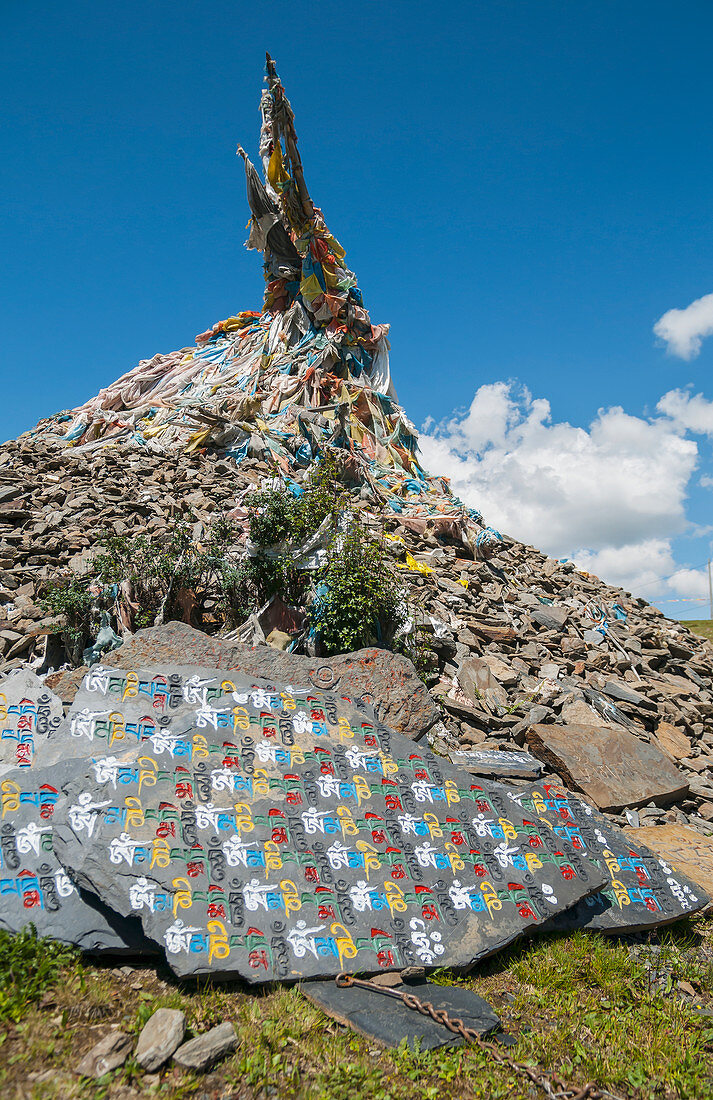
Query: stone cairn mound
(269, 815)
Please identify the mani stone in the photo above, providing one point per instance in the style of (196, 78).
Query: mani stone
(642, 891)
(388, 1022)
(288, 834)
(207, 1049)
(610, 766)
(29, 717)
(685, 849)
(498, 765)
(160, 1037)
(108, 1054)
(386, 680)
(34, 886)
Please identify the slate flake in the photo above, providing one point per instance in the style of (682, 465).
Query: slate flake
(387, 1020)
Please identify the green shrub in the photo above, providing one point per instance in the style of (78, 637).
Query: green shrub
(70, 598)
(277, 516)
(359, 601)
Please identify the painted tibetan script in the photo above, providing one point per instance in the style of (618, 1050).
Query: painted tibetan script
(284, 832)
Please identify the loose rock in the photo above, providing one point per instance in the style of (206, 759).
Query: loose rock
(160, 1037)
(204, 1051)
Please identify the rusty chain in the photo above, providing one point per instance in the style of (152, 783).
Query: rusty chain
(552, 1085)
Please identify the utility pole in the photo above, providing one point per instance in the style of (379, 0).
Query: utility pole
(710, 588)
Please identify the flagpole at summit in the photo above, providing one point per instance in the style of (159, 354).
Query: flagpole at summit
(283, 124)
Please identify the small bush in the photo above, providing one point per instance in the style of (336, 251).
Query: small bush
(278, 516)
(71, 599)
(359, 601)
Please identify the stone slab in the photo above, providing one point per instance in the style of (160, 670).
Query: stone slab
(34, 886)
(684, 848)
(290, 834)
(498, 765)
(29, 716)
(205, 1050)
(386, 680)
(116, 708)
(388, 1022)
(611, 767)
(642, 890)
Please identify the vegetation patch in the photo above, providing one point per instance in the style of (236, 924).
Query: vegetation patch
(349, 592)
(633, 1015)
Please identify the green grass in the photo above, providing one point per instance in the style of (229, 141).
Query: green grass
(704, 627)
(582, 1006)
(28, 968)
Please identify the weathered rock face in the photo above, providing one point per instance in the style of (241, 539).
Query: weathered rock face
(29, 717)
(641, 892)
(610, 766)
(34, 886)
(287, 834)
(387, 681)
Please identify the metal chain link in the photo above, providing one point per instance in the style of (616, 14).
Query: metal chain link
(552, 1085)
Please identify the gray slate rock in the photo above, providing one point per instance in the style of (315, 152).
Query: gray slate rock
(207, 1049)
(550, 617)
(35, 887)
(625, 694)
(289, 834)
(160, 1037)
(108, 1054)
(29, 716)
(388, 1022)
(386, 680)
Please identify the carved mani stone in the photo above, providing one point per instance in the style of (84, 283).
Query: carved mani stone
(642, 890)
(283, 832)
(34, 886)
(29, 717)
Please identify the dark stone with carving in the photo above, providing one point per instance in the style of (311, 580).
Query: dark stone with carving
(29, 716)
(386, 680)
(282, 833)
(642, 891)
(389, 1022)
(34, 886)
(610, 766)
(499, 765)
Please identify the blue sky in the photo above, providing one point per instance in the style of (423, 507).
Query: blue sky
(522, 189)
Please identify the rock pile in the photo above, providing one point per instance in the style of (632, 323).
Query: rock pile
(521, 640)
(577, 680)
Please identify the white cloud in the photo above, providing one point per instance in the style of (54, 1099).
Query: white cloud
(691, 412)
(683, 330)
(690, 582)
(705, 482)
(621, 482)
(639, 565)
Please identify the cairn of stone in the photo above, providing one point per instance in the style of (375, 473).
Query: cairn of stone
(278, 815)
